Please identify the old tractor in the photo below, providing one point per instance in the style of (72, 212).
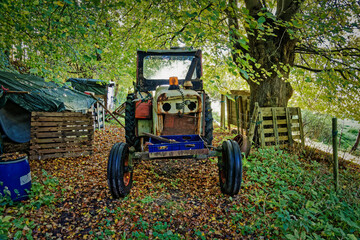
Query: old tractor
(169, 116)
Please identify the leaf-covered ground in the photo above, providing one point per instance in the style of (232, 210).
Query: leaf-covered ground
(282, 196)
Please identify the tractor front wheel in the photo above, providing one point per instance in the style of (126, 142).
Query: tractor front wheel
(119, 172)
(230, 168)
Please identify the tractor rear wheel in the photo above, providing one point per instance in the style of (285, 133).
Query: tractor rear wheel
(230, 168)
(119, 172)
(130, 122)
(208, 135)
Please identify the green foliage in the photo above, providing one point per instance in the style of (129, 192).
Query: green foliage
(318, 127)
(14, 220)
(160, 230)
(98, 39)
(296, 199)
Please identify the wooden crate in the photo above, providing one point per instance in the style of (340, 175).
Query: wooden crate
(280, 126)
(65, 134)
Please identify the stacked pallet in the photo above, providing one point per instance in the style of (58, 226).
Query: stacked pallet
(65, 134)
(280, 126)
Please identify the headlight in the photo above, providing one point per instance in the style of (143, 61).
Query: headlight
(166, 107)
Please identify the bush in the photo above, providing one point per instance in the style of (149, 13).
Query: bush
(295, 199)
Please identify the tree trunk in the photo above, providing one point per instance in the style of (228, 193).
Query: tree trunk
(270, 93)
(356, 143)
(274, 56)
(274, 53)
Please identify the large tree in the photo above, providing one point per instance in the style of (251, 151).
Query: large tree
(308, 49)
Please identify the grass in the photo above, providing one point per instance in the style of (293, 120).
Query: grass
(318, 127)
(295, 199)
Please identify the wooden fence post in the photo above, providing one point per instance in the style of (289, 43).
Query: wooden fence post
(237, 114)
(222, 114)
(335, 153)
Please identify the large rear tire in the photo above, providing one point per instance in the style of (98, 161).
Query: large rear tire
(130, 122)
(119, 172)
(230, 168)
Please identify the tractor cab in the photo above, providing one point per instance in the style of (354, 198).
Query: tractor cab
(169, 97)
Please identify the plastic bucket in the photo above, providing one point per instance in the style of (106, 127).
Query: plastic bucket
(15, 176)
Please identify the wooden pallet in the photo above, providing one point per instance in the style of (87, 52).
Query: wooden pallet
(65, 134)
(279, 126)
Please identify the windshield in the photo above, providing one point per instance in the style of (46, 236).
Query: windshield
(165, 66)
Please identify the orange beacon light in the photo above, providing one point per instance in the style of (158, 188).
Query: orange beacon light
(174, 83)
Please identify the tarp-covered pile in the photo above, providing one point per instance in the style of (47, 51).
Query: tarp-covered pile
(91, 85)
(15, 109)
(43, 96)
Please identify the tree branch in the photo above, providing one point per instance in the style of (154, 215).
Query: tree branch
(288, 8)
(341, 71)
(347, 51)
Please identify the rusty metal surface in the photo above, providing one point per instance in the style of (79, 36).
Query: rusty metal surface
(169, 154)
(175, 125)
(175, 120)
(200, 154)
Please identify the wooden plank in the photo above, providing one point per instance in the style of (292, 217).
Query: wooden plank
(237, 113)
(296, 137)
(254, 118)
(271, 130)
(56, 145)
(295, 129)
(241, 114)
(272, 139)
(45, 151)
(63, 133)
(268, 130)
(282, 130)
(276, 133)
(228, 109)
(61, 128)
(60, 119)
(59, 114)
(222, 114)
(294, 120)
(268, 122)
(262, 135)
(58, 134)
(267, 111)
(87, 122)
(57, 155)
(301, 128)
(293, 111)
(288, 124)
(63, 140)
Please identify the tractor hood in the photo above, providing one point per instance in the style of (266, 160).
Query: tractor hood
(179, 101)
